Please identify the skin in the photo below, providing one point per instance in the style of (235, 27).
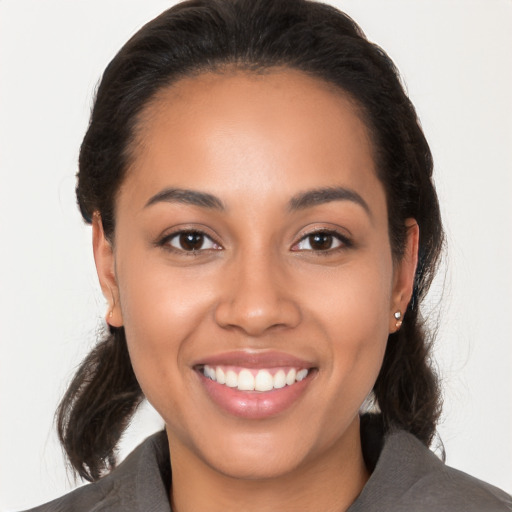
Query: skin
(255, 142)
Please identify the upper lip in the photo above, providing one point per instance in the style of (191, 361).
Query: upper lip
(245, 359)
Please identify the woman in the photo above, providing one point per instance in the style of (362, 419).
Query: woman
(265, 229)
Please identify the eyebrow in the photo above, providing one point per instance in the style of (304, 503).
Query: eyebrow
(326, 195)
(300, 201)
(184, 196)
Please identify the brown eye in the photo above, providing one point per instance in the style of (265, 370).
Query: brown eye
(320, 241)
(190, 241)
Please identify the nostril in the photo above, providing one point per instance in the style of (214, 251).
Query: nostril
(256, 318)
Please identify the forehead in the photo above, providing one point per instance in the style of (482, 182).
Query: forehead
(280, 130)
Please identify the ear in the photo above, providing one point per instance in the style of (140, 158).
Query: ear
(403, 276)
(105, 267)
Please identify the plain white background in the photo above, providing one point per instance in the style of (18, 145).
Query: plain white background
(455, 59)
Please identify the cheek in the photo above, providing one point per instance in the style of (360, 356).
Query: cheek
(161, 309)
(352, 308)
(354, 300)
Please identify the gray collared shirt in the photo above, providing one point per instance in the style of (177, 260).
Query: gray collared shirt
(408, 477)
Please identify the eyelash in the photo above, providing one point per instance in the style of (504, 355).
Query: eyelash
(165, 242)
(344, 241)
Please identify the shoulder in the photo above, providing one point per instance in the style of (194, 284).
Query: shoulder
(409, 477)
(441, 487)
(456, 490)
(140, 479)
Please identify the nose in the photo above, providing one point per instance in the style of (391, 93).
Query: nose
(257, 297)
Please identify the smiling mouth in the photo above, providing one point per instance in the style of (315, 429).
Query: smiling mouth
(255, 385)
(254, 379)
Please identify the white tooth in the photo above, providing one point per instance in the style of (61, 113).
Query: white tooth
(301, 375)
(264, 381)
(231, 379)
(245, 381)
(209, 372)
(220, 375)
(290, 376)
(280, 379)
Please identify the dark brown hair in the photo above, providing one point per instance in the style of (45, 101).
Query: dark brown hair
(255, 35)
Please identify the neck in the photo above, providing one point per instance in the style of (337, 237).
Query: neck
(329, 483)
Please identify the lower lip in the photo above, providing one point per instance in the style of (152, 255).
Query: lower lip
(254, 404)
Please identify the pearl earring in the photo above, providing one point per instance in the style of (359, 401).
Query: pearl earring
(398, 318)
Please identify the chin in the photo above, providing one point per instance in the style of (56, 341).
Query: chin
(252, 467)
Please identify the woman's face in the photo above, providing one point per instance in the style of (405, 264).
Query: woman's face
(252, 251)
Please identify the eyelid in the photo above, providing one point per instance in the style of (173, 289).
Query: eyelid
(344, 239)
(204, 238)
(164, 239)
